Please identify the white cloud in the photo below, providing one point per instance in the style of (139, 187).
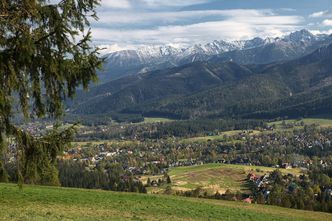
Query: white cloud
(119, 4)
(120, 17)
(317, 14)
(130, 27)
(326, 13)
(320, 32)
(234, 28)
(158, 3)
(327, 22)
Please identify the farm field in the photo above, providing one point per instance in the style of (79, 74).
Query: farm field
(156, 120)
(322, 122)
(213, 177)
(109, 142)
(52, 203)
(221, 136)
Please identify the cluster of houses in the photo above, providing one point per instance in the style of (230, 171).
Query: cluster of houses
(37, 129)
(81, 154)
(78, 154)
(259, 181)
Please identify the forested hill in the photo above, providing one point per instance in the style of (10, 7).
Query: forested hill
(158, 85)
(202, 89)
(296, 88)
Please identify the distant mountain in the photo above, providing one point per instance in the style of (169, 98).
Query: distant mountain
(204, 89)
(254, 51)
(151, 58)
(123, 63)
(290, 47)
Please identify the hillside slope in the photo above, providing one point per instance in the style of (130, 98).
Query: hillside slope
(158, 85)
(49, 203)
(295, 88)
(212, 177)
(205, 89)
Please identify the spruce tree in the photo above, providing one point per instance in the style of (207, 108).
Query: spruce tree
(45, 54)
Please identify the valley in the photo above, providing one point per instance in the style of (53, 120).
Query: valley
(233, 161)
(166, 110)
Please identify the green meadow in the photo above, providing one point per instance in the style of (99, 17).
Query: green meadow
(53, 203)
(322, 122)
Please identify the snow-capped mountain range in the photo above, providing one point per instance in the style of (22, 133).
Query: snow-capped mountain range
(257, 50)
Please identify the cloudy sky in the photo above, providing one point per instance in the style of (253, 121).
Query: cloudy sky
(128, 24)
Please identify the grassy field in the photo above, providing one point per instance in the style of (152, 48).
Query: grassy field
(322, 122)
(221, 136)
(213, 177)
(109, 142)
(156, 120)
(49, 203)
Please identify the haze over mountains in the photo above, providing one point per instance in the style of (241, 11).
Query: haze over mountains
(288, 76)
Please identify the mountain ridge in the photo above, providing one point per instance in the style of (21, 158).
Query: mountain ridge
(256, 50)
(213, 88)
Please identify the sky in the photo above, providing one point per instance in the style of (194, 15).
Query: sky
(129, 24)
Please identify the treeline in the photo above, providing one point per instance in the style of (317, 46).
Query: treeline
(105, 176)
(203, 127)
(88, 120)
(102, 119)
(199, 192)
(187, 128)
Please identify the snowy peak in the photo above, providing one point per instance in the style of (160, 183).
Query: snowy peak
(301, 36)
(157, 51)
(144, 54)
(256, 42)
(217, 47)
(149, 54)
(210, 49)
(156, 57)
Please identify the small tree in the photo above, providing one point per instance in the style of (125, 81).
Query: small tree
(160, 182)
(217, 195)
(148, 182)
(260, 198)
(168, 180)
(168, 190)
(285, 201)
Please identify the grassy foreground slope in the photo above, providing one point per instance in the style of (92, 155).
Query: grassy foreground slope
(49, 203)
